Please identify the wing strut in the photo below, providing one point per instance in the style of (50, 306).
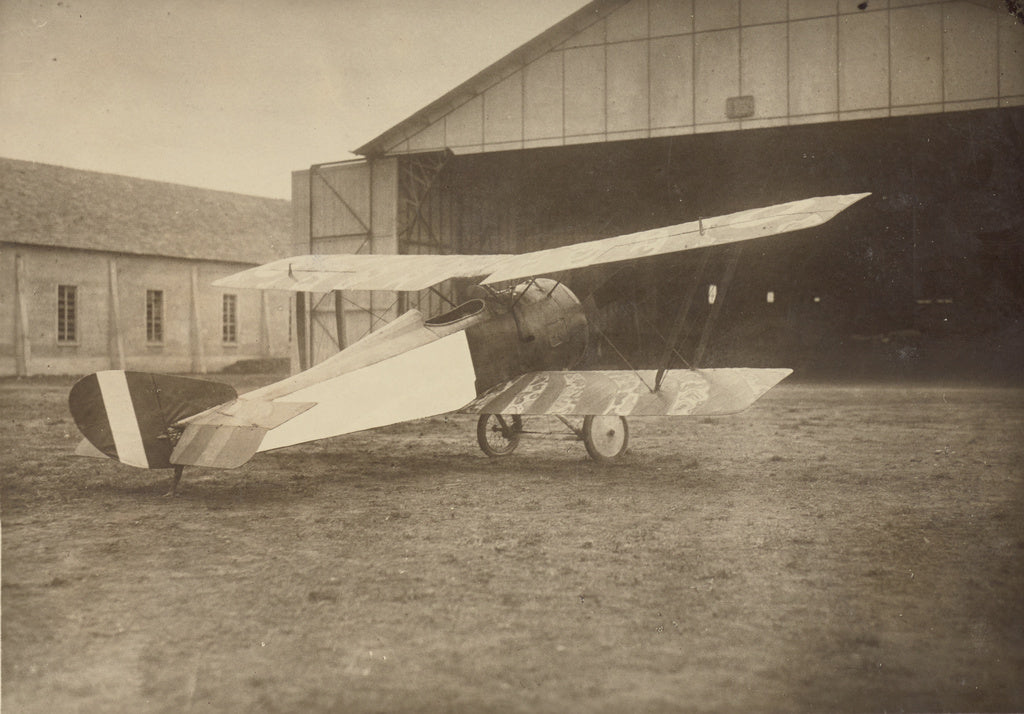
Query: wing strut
(673, 339)
(716, 307)
(677, 328)
(625, 361)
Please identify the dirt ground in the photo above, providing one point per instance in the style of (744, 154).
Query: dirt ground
(841, 548)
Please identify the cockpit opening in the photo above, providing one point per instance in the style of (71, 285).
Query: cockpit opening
(466, 309)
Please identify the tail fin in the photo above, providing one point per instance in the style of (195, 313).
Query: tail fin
(129, 416)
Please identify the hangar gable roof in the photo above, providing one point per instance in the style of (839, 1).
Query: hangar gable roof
(46, 205)
(634, 69)
(503, 68)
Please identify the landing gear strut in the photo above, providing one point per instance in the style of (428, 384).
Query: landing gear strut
(605, 437)
(179, 469)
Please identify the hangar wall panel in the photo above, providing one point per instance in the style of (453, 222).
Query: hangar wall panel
(715, 14)
(1011, 61)
(584, 91)
(765, 11)
(803, 9)
(503, 111)
(429, 138)
(670, 17)
(863, 61)
(916, 51)
(765, 65)
(813, 88)
(543, 92)
(717, 74)
(970, 53)
(629, 23)
(663, 67)
(671, 83)
(627, 87)
(464, 127)
(345, 207)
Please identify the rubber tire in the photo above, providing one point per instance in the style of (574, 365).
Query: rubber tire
(610, 440)
(485, 427)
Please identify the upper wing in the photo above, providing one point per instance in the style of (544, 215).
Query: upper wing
(745, 225)
(323, 273)
(683, 392)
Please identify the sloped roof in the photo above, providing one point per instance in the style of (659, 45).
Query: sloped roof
(620, 70)
(490, 76)
(47, 205)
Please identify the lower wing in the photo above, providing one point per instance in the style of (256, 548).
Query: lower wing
(704, 392)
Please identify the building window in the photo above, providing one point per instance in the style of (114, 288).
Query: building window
(67, 313)
(154, 316)
(229, 319)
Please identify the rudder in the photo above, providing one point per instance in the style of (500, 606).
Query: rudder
(129, 416)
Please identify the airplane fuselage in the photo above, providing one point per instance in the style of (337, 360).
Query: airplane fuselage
(538, 325)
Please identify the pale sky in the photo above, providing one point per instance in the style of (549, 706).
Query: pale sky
(236, 94)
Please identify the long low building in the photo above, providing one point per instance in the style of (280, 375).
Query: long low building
(102, 271)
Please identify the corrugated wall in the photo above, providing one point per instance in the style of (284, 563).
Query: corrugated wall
(345, 207)
(674, 67)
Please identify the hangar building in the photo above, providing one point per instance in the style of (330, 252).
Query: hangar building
(102, 271)
(634, 114)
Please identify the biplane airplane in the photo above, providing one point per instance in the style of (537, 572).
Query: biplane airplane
(506, 353)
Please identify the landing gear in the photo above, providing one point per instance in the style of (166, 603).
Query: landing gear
(606, 437)
(179, 469)
(498, 435)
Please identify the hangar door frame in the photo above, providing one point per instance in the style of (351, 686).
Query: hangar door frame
(350, 208)
(388, 205)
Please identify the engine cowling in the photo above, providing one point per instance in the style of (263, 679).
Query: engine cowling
(538, 325)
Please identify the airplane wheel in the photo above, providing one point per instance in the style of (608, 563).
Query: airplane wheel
(498, 435)
(606, 437)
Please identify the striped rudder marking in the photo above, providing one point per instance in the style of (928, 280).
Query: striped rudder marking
(124, 424)
(128, 415)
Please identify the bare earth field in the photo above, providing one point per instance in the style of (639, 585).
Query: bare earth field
(840, 548)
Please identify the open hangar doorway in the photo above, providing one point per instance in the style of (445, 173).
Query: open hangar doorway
(922, 277)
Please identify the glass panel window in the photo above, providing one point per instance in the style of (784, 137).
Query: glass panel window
(67, 313)
(154, 315)
(229, 319)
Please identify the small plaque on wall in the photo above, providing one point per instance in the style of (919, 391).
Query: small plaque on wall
(739, 107)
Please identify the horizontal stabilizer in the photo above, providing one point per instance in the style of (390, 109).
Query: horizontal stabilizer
(223, 446)
(249, 412)
(229, 435)
(705, 392)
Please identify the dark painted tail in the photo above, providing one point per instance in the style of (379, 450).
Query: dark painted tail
(129, 416)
